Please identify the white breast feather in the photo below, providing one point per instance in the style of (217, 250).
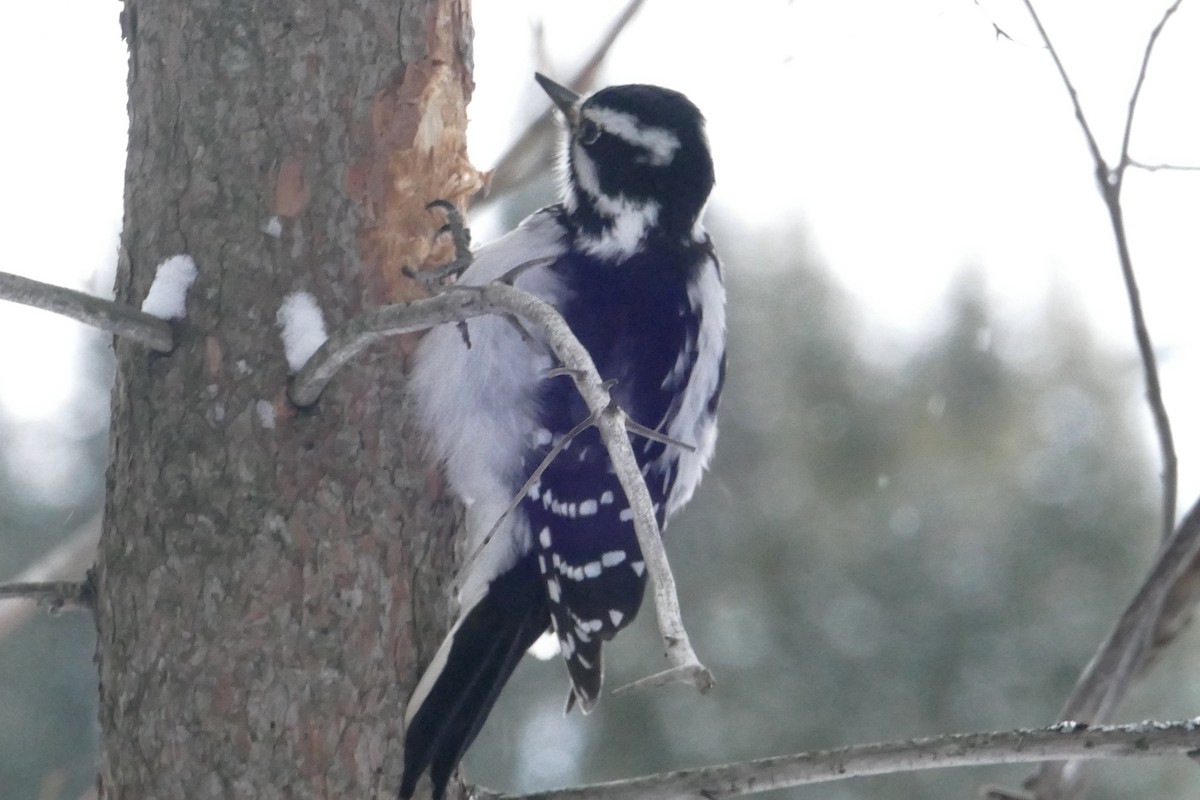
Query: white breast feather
(477, 405)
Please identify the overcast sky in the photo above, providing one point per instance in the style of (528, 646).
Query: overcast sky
(904, 139)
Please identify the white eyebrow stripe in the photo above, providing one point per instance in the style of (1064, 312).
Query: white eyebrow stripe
(660, 143)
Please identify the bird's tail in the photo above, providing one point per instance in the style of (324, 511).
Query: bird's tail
(461, 684)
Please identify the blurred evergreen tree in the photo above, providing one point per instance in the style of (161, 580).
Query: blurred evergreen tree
(882, 550)
(51, 482)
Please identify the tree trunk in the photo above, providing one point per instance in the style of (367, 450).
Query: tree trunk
(266, 574)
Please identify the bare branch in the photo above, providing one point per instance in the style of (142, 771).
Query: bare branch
(989, 792)
(1112, 194)
(1154, 396)
(1107, 677)
(1065, 740)
(610, 422)
(91, 310)
(374, 326)
(55, 595)
(1141, 78)
(1110, 182)
(1142, 165)
(559, 446)
(1097, 156)
(499, 298)
(453, 304)
(70, 559)
(1125, 652)
(1000, 32)
(638, 429)
(534, 477)
(515, 165)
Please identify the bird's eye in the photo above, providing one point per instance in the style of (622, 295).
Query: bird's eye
(588, 131)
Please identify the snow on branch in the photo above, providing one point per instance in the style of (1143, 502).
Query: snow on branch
(167, 298)
(106, 315)
(302, 328)
(1061, 741)
(459, 303)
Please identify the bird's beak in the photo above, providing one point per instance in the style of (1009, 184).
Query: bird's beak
(566, 100)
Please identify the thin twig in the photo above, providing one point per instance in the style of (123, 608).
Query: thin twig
(1154, 396)
(1120, 658)
(1145, 740)
(562, 444)
(1107, 676)
(373, 326)
(1141, 79)
(610, 420)
(684, 665)
(1112, 198)
(547, 460)
(1142, 165)
(55, 595)
(68, 560)
(91, 310)
(452, 303)
(1097, 156)
(515, 165)
(1000, 32)
(638, 429)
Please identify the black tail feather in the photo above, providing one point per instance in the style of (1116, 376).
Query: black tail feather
(436, 732)
(482, 696)
(483, 650)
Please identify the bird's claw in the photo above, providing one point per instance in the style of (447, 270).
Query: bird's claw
(460, 234)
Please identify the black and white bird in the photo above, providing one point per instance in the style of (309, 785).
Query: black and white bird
(634, 274)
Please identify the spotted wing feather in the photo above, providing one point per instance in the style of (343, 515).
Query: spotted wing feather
(640, 323)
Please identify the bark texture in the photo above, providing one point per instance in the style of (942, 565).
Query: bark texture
(267, 575)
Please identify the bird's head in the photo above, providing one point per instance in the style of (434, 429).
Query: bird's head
(637, 164)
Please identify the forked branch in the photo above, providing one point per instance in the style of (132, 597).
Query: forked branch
(1126, 650)
(1110, 180)
(462, 303)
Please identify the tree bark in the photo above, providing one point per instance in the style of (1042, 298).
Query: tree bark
(267, 576)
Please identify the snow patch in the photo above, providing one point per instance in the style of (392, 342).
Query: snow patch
(168, 294)
(302, 326)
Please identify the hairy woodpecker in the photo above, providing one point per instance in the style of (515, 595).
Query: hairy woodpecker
(634, 274)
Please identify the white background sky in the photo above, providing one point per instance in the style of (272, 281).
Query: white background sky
(902, 138)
